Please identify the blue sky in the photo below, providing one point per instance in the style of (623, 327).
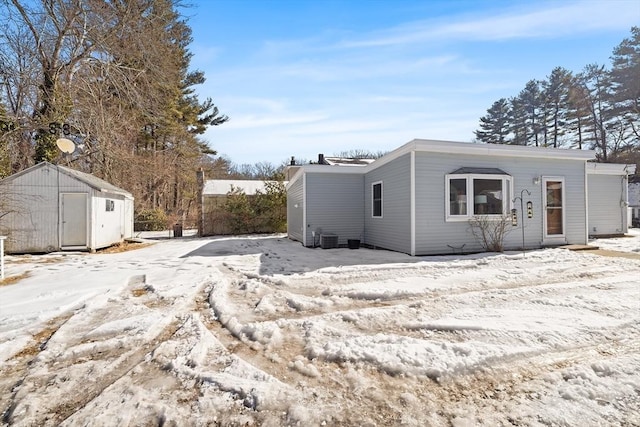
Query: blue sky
(298, 78)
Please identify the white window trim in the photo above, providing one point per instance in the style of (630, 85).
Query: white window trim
(373, 184)
(507, 202)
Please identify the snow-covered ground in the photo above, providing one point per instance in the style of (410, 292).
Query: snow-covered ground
(261, 331)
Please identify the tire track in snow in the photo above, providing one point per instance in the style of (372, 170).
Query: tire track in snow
(57, 371)
(436, 302)
(19, 364)
(524, 381)
(124, 365)
(550, 280)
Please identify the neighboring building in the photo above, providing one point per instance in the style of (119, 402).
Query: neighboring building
(331, 161)
(634, 200)
(608, 197)
(49, 207)
(214, 196)
(419, 198)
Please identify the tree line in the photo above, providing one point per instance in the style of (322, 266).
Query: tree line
(597, 108)
(114, 78)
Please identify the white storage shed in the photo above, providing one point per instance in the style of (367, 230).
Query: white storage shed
(50, 207)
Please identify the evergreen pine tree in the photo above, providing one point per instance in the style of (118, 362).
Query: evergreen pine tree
(494, 126)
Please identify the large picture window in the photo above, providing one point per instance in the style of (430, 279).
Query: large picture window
(470, 195)
(376, 199)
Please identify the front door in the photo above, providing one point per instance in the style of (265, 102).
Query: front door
(74, 220)
(553, 201)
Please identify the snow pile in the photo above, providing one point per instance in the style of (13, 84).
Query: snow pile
(624, 244)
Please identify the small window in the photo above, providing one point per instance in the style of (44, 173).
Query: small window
(376, 210)
(458, 196)
(110, 205)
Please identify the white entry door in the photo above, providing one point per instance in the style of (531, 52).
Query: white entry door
(554, 203)
(74, 220)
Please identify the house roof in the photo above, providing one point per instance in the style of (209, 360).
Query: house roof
(341, 161)
(220, 187)
(452, 147)
(88, 179)
(494, 150)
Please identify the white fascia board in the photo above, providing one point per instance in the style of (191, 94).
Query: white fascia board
(501, 150)
(331, 169)
(490, 150)
(452, 147)
(610, 169)
(303, 170)
(296, 176)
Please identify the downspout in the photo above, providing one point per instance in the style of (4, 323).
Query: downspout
(586, 202)
(413, 201)
(304, 210)
(624, 200)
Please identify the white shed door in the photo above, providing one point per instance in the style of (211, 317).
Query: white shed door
(74, 219)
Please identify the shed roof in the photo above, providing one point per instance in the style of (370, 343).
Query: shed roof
(94, 181)
(88, 179)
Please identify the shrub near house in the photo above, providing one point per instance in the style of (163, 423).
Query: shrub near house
(237, 212)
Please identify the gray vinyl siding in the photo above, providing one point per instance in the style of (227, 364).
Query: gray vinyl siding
(434, 235)
(34, 199)
(34, 226)
(607, 211)
(335, 205)
(393, 229)
(295, 210)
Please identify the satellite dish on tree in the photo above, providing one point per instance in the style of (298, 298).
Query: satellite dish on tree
(66, 145)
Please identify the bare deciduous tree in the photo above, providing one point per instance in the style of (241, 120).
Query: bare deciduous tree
(113, 77)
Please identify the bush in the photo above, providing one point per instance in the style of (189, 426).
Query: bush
(266, 212)
(240, 215)
(490, 232)
(150, 220)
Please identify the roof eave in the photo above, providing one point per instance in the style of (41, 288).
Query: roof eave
(501, 150)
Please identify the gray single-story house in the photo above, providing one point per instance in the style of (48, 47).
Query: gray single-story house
(419, 199)
(50, 207)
